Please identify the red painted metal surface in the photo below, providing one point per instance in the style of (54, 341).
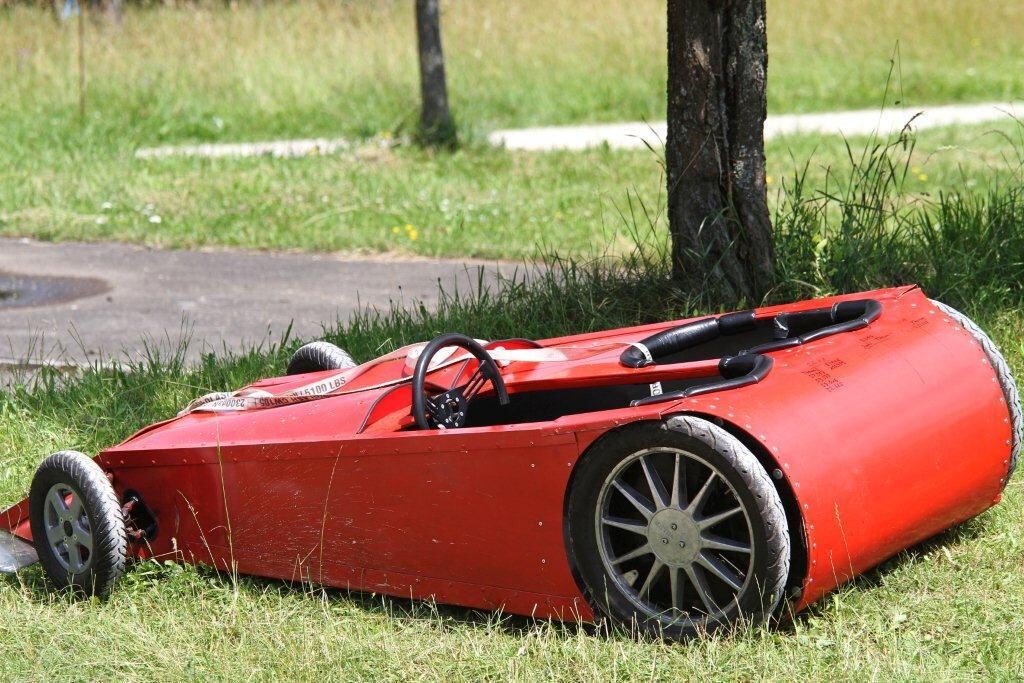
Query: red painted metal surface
(884, 436)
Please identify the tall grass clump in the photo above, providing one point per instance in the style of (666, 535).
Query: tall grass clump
(864, 230)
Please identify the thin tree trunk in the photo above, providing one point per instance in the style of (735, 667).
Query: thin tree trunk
(114, 9)
(717, 200)
(436, 123)
(81, 60)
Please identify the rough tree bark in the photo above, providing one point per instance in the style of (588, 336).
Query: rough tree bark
(436, 124)
(717, 201)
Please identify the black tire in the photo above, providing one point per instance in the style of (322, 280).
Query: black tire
(93, 514)
(1006, 382)
(762, 527)
(317, 356)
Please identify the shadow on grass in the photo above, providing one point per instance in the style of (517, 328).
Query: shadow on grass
(969, 530)
(32, 583)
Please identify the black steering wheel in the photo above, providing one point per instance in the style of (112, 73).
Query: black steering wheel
(448, 410)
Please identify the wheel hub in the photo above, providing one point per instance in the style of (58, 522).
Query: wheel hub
(67, 528)
(674, 536)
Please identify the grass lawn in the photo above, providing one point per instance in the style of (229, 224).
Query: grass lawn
(207, 73)
(951, 609)
(348, 68)
(478, 202)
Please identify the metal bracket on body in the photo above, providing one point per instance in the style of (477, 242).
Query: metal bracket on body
(15, 553)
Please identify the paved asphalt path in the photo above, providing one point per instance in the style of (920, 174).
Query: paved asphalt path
(129, 294)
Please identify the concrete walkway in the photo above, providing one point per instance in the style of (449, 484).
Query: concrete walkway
(848, 123)
(630, 135)
(128, 294)
(274, 148)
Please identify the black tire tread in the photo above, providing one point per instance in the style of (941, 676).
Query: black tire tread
(760, 485)
(317, 356)
(110, 538)
(1003, 373)
(773, 567)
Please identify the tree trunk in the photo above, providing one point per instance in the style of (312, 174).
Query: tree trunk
(717, 201)
(114, 9)
(436, 124)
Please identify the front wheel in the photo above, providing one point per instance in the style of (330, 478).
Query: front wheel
(77, 525)
(676, 529)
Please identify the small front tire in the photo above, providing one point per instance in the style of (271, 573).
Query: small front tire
(77, 525)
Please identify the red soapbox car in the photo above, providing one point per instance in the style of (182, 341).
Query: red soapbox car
(680, 476)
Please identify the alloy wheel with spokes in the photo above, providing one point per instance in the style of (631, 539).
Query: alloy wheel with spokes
(677, 527)
(673, 533)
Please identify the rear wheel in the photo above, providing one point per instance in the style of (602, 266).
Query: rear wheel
(77, 524)
(677, 529)
(317, 356)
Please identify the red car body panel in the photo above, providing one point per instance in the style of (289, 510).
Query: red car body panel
(881, 437)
